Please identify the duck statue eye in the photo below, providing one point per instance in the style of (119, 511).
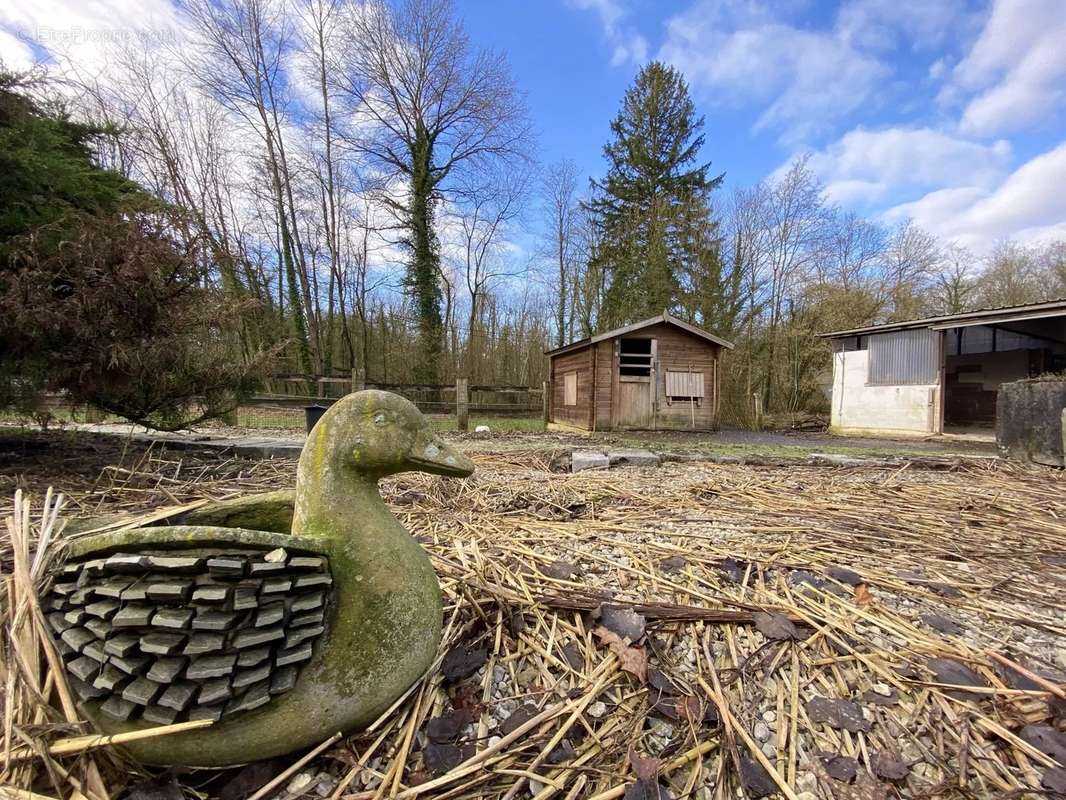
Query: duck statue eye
(381, 419)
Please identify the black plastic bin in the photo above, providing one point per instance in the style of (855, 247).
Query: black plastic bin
(313, 414)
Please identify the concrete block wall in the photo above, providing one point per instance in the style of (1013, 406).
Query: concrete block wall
(860, 408)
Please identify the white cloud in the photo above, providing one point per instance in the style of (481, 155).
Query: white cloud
(15, 53)
(739, 53)
(883, 24)
(1014, 75)
(1028, 205)
(81, 33)
(628, 46)
(871, 165)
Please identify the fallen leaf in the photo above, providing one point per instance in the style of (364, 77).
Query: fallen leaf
(947, 670)
(672, 564)
(646, 790)
(626, 622)
(462, 661)
(841, 768)
(162, 787)
(561, 570)
(439, 758)
(562, 753)
(1046, 739)
(839, 714)
(659, 681)
(631, 659)
(843, 575)
(572, 654)
(444, 729)
(756, 779)
(888, 766)
(943, 624)
(733, 569)
(644, 767)
(775, 626)
(516, 623)
(1054, 780)
(863, 597)
(519, 717)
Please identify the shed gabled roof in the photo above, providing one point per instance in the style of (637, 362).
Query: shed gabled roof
(982, 316)
(663, 318)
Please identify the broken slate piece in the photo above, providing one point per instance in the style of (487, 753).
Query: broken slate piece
(160, 715)
(84, 668)
(163, 644)
(561, 570)
(672, 565)
(166, 670)
(270, 614)
(282, 680)
(135, 594)
(261, 569)
(131, 665)
(183, 565)
(839, 714)
(246, 597)
(298, 635)
(257, 695)
(169, 591)
(98, 627)
(75, 616)
(312, 581)
(77, 638)
(95, 651)
(581, 460)
(887, 766)
(86, 691)
(276, 585)
(117, 708)
(122, 644)
(306, 563)
(294, 656)
(113, 589)
(841, 768)
(125, 564)
(175, 618)
(142, 691)
(226, 567)
(178, 695)
(213, 620)
(251, 656)
(246, 677)
(200, 643)
(213, 713)
(211, 594)
(102, 609)
(215, 691)
(210, 667)
(252, 637)
(306, 602)
(132, 616)
(1046, 739)
(110, 678)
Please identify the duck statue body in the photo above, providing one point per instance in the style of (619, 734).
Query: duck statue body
(283, 618)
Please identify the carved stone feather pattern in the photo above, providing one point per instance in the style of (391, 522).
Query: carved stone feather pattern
(167, 636)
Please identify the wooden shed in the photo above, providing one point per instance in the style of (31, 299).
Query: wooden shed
(661, 373)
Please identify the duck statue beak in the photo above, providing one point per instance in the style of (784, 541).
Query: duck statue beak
(432, 454)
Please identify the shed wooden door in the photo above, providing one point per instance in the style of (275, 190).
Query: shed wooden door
(634, 402)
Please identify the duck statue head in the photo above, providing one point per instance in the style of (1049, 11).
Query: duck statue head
(282, 618)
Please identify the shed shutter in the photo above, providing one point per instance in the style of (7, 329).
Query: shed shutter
(904, 358)
(570, 389)
(684, 384)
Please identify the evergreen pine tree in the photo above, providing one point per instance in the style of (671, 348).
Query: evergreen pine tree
(641, 206)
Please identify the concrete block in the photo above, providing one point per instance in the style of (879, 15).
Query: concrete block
(634, 458)
(588, 459)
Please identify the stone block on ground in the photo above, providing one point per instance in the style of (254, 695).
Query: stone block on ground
(581, 460)
(634, 458)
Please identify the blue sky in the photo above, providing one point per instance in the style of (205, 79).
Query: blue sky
(950, 112)
(947, 111)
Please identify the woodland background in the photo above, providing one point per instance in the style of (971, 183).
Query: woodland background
(312, 187)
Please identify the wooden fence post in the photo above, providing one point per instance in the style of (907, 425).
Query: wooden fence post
(545, 402)
(462, 403)
(358, 379)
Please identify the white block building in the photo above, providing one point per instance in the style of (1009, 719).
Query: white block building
(940, 374)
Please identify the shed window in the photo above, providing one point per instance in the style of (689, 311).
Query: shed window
(684, 385)
(634, 357)
(904, 358)
(570, 389)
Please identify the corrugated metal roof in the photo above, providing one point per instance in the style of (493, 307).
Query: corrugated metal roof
(982, 316)
(636, 326)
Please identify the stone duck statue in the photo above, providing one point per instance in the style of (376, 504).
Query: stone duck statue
(284, 617)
